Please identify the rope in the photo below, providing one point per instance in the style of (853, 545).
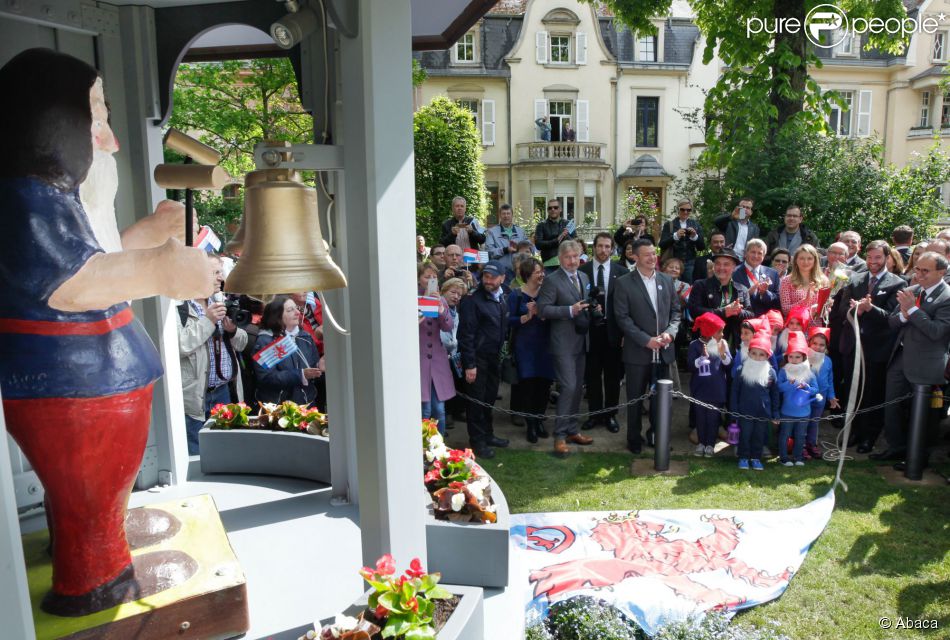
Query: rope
(542, 416)
(744, 416)
(840, 451)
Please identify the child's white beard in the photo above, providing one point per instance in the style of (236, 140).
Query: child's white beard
(712, 348)
(816, 359)
(97, 194)
(800, 372)
(755, 372)
(744, 351)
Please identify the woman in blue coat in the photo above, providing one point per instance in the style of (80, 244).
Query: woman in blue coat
(530, 337)
(291, 378)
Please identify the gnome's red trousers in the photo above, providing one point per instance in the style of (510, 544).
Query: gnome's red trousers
(86, 452)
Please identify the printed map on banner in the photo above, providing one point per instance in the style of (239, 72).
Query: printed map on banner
(658, 566)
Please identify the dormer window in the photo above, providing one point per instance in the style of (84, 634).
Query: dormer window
(560, 42)
(465, 50)
(939, 53)
(646, 49)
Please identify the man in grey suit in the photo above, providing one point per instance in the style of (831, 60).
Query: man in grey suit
(920, 350)
(647, 312)
(562, 302)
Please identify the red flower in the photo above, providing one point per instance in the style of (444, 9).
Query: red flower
(381, 611)
(386, 566)
(401, 580)
(432, 476)
(458, 486)
(456, 456)
(413, 604)
(415, 569)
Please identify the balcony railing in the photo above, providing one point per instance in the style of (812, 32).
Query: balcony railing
(562, 152)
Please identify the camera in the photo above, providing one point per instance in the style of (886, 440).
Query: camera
(742, 213)
(594, 299)
(236, 314)
(637, 222)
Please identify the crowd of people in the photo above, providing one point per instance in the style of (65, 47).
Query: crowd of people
(763, 321)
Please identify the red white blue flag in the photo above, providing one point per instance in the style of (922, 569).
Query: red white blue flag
(207, 240)
(474, 256)
(278, 350)
(428, 307)
(661, 566)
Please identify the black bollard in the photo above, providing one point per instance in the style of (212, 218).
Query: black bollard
(664, 419)
(189, 205)
(918, 427)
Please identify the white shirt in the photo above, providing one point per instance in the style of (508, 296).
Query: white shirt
(650, 284)
(575, 280)
(741, 236)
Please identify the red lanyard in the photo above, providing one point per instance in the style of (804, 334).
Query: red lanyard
(752, 277)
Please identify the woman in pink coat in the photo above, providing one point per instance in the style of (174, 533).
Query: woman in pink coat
(436, 375)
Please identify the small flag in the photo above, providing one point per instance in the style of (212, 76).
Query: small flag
(276, 351)
(311, 300)
(207, 240)
(429, 307)
(571, 226)
(474, 256)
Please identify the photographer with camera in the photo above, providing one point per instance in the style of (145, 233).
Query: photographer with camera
(631, 231)
(738, 227)
(682, 238)
(209, 340)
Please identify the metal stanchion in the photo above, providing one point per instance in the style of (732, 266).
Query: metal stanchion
(915, 439)
(664, 418)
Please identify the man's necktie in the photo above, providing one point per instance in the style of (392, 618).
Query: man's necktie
(872, 283)
(600, 278)
(577, 284)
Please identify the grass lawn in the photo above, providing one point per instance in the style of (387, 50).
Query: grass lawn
(886, 551)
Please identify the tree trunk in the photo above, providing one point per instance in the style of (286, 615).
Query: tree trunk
(797, 43)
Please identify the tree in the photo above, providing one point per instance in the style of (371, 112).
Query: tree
(448, 152)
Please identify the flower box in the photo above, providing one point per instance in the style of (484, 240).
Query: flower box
(268, 453)
(466, 623)
(470, 553)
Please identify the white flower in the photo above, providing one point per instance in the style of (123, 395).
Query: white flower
(458, 501)
(436, 441)
(283, 422)
(437, 453)
(268, 407)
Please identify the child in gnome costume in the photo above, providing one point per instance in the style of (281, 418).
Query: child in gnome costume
(708, 359)
(818, 338)
(748, 330)
(798, 387)
(755, 393)
(798, 320)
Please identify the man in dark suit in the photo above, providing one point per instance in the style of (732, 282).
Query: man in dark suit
(460, 222)
(873, 296)
(604, 367)
(562, 301)
(483, 328)
(903, 237)
(761, 281)
(737, 226)
(922, 318)
(719, 295)
(717, 242)
(852, 239)
(683, 238)
(647, 312)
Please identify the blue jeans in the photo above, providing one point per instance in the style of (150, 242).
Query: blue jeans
(752, 435)
(435, 408)
(221, 395)
(811, 437)
(797, 431)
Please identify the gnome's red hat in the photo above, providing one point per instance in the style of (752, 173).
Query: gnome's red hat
(775, 320)
(797, 343)
(802, 314)
(708, 324)
(820, 331)
(760, 325)
(761, 341)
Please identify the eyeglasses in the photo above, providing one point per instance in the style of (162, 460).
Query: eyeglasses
(922, 271)
(438, 253)
(686, 210)
(553, 208)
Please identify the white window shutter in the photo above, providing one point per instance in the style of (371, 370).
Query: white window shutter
(580, 42)
(540, 110)
(488, 122)
(864, 113)
(583, 121)
(541, 47)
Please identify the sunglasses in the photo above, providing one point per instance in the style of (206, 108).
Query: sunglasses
(686, 210)
(553, 208)
(780, 260)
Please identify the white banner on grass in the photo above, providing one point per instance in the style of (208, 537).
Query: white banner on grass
(658, 566)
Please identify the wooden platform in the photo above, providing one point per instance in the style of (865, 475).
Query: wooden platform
(212, 604)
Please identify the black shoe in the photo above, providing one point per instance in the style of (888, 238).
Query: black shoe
(497, 442)
(540, 430)
(889, 454)
(485, 452)
(865, 447)
(635, 449)
(612, 425)
(532, 434)
(651, 437)
(518, 421)
(900, 466)
(853, 439)
(589, 424)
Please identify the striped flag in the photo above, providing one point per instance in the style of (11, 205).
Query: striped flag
(474, 256)
(429, 307)
(311, 300)
(207, 240)
(278, 350)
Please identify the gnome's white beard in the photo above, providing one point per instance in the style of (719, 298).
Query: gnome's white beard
(744, 351)
(712, 348)
(800, 372)
(97, 194)
(816, 359)
(755, 372)
(783, 339)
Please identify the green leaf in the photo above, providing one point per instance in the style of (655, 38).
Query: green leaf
(422, 633)
(438, 593)
(391, 601)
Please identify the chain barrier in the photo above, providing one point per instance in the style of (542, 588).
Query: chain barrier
(541, 416)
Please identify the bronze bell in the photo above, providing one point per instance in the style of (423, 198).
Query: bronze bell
(284, 251)
(235, 245)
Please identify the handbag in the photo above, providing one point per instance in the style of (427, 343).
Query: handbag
(509, 367)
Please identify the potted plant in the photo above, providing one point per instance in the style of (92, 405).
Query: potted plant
(413, 606)
(286, 439)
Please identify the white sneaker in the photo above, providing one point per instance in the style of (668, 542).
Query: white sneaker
(799, 463)
(710, 451)
(699, 451)
(786, 463)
